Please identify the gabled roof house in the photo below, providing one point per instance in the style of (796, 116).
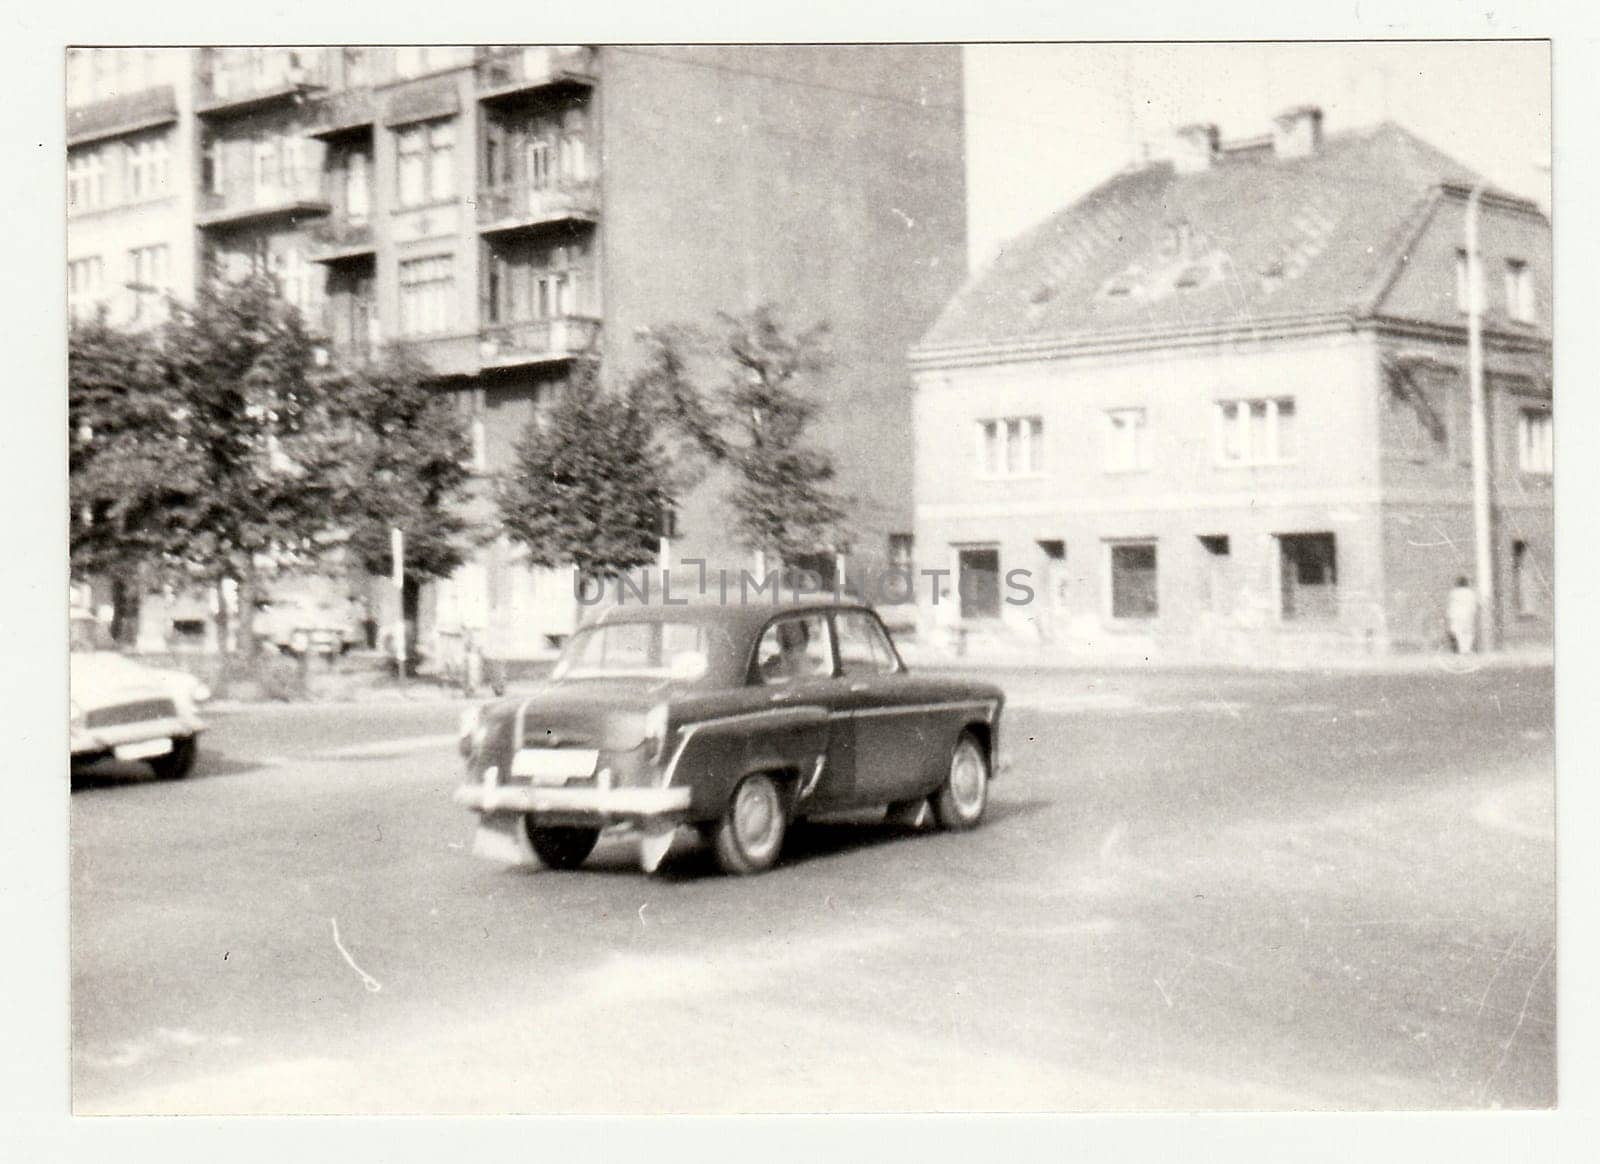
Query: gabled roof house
(1220, 403)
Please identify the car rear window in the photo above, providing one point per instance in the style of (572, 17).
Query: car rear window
(665, 650)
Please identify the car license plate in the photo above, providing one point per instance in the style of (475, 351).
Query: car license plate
(554, 765)
(143, 750)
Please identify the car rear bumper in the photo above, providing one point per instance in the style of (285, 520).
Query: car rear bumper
(596, 805)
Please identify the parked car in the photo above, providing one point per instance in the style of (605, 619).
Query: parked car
(299, 624)
(736, 720)
(123, 710)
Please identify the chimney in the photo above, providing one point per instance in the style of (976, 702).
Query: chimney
(1195, 147)
(1297, 132)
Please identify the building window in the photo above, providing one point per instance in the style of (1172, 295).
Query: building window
(148, 167)
(1256, 432)
(902, 552)
(1127, 445)
(86, 186)
(149, 278)
(427, 295)
(1520, 303)
(414, 60)
(427, 163)
(1134, 591)
(1011, 446)
(978, 583)
(357, 187)
(85, 287)
(1536, 441)
(1309, 577)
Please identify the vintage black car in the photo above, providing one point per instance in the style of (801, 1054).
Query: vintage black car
(736, 720)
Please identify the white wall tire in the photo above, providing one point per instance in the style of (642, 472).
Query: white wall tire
(961, 802)
(750, 835)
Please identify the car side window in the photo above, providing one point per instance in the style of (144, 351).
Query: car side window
(863, 649)
(795, 648)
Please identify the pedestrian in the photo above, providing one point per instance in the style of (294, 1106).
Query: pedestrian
(1461, 613)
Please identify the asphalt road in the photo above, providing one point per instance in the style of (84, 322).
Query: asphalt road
(1195, 890)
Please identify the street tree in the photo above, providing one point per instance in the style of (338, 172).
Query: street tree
(743, 395)
(588, 486)
(268, 465)
(124, 462)
(413, 450)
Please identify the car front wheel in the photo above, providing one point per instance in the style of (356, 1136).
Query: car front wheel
(179, 762)
(561, 846)
(750, 835)
(965, 794)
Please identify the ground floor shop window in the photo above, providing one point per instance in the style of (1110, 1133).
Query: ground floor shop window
(1133, 580)
(1309, 577)
(979, 583)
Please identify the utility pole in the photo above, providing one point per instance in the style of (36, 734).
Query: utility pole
(1482, 534)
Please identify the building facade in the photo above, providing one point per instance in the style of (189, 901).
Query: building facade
(1219, 406)
(509, 211)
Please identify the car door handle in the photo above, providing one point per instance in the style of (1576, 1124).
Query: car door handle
(858, 687)
(780, 696)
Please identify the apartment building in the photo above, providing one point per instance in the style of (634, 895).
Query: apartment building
(130, 204)
(511, 210)
(1220, 405)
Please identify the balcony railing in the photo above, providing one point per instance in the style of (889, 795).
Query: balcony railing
(513, 69)
(343, 111)
(538, 341)
(516, 207)
(246, 79)
(339, 237)
(242, 202)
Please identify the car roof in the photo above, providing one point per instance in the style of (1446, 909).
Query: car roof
(740, 617)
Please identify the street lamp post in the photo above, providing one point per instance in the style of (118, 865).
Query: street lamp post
(1483, 548)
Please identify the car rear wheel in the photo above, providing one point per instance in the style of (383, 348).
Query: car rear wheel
(179, 762)
(750, 835)
(561, 846)
(965, 794)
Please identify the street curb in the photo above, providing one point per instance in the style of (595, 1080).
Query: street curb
(1383, 665)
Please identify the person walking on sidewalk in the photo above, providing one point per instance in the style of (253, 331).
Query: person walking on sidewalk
(1461, 613)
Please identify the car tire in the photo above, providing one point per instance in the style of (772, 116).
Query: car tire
(179, 762)
(965, 794)
(561, 846)
(750, 834)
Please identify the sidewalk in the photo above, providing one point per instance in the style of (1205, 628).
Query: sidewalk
(984, 656)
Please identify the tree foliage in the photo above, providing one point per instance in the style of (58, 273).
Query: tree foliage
(743, 396)
(412, 449)
(227, 439)
(124, 461)
(588, 486)
(270, 460)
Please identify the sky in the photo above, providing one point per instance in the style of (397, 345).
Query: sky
(1046, 123)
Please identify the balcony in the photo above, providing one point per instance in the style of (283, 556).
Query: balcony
(346, 111)
(513, 71)
(509, 208)
(538, 341)
(245, 204)
(257, 79)
(337, 238)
